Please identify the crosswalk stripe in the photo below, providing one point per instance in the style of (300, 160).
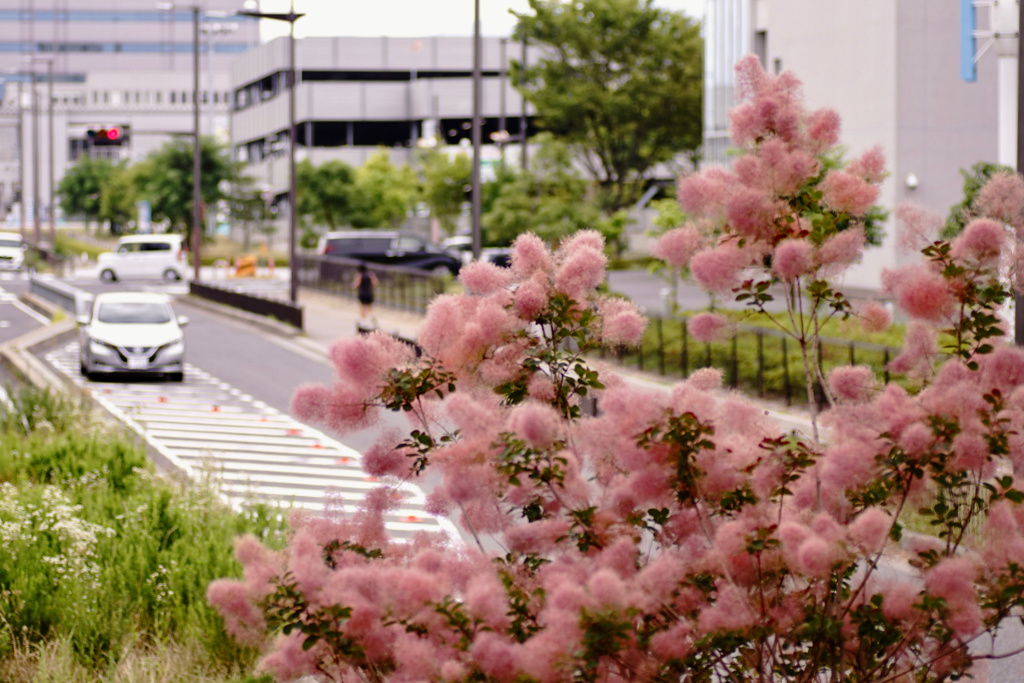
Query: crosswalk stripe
(254, 452)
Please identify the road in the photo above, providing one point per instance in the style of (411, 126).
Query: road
(230, 418)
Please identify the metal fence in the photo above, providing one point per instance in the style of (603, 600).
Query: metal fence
(758, 360)
(405, 289)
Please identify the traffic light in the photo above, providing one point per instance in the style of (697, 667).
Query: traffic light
(112, 136)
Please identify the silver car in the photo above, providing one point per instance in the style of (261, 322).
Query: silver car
(132, 332)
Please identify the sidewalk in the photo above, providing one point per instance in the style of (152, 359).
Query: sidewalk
(328, 318)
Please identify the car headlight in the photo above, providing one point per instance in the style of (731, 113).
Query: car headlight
(174, 348)
(99, 348)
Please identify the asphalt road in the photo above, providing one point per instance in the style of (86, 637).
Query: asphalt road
(16, 318)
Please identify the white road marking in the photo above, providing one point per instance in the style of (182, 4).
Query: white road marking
(206, 427)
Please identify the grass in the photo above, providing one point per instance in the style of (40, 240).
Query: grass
(104, 563)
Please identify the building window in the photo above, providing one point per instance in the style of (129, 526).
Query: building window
(761, 48)
(106, 97)
(778, 66)
(156, 96)
(173, 97)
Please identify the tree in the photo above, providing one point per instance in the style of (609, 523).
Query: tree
(165, 179)
(620, 81)
(80, 188)
(246, 205)
(550, 199)
(118, 196)
(327, 195)
(385, 193)
(673, 536)
(974, 180)
(446, 182)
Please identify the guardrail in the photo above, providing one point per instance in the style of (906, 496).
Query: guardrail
(72, 300)
(281, 310)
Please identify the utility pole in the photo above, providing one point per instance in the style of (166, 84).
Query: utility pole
(21, 159)
(522, 115)
(36, 228)
(197, 167)
(476, 129)
(1018, 303)
(49, 112)
(291, 17)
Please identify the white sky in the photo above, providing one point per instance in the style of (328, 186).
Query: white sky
(401, 18)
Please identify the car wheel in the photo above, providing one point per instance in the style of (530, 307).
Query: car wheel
(176, 376)
(107, 275)
(171, 275)
(82, 369)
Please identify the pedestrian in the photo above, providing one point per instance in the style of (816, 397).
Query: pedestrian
(365, 284)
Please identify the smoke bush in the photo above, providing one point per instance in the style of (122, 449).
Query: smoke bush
(676, 536)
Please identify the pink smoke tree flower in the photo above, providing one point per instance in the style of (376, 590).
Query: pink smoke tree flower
(788, 204)
(664, 536)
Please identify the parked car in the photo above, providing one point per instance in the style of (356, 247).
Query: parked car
(391, 248)
(12, 251)
(132, 332)
(463, 246)
(145, 256)
(499, 256)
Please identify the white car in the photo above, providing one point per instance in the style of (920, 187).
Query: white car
(132, 332)
(12, 251)
(145, 256)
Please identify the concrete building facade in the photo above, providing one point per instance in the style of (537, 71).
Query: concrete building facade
(890, 68)
(355, 96)
(123, 63)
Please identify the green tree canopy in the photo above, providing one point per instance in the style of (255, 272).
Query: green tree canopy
(118, 195)
(974, 179)
(446, 181)
(550, 199)
(165, 179)
(384, 192)
(326, 192)
(81, 187)
(620, 81)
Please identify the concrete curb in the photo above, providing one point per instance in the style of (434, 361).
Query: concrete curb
(41, 305)
(16, 357)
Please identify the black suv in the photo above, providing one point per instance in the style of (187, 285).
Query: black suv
(390, 248)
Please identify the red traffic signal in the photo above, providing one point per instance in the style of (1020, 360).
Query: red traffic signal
(106, 137)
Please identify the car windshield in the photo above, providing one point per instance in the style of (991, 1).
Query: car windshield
(10, 244)
(134, 312)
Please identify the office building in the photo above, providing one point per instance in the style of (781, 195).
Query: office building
(357, 95)
(891, 70)
(126, 64)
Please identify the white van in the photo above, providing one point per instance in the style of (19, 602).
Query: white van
(12, 251)
(145, 256)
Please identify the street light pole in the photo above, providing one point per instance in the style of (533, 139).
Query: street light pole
(291, 17)
(197, 190)
(293, 210)
(502, 125)
(35, 161)
(476, 129)
(522, 115)
(49, 113)
(21, 158)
